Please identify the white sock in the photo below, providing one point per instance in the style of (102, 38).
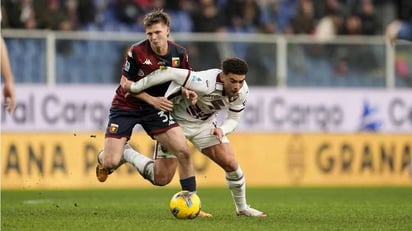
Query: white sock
(143, 164)
(237, 185)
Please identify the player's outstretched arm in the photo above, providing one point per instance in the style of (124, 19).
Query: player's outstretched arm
(195, 81)
(162, 75)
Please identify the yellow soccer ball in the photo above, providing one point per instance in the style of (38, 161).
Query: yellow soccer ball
(185, 205)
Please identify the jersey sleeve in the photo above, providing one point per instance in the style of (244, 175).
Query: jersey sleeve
(130, 68)
(235, 112)
(202, 82)
(161, 75)
(185, 62)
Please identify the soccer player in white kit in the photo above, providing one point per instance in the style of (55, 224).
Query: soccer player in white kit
(217, 90)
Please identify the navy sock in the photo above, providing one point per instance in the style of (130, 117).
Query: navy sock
(188, 184)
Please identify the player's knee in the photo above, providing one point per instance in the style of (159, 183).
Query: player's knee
(162, 180)
(164, 172)
(110, 161)
(230, 165)
(182, 152)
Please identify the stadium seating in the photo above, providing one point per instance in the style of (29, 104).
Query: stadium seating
(99, 61)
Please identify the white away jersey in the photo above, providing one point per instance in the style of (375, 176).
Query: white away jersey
(211, 98)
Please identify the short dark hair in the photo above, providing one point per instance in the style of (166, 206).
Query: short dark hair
(156, 16)
(234, 65)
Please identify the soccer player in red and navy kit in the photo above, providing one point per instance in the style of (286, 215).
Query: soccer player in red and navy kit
(150, 109)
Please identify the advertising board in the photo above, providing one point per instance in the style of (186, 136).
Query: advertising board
(72, 108)
(68, 160)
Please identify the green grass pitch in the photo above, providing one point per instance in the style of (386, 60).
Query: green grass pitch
(288, 208)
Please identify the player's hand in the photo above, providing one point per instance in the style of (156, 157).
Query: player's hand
(9, 97)
(125, 83)
(161, 103)
(217, 132)
(190, 95)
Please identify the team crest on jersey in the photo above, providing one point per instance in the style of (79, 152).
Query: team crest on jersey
(113, 128)
(175, 62)
(147, 62)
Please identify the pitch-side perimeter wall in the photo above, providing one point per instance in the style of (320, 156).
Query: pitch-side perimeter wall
(62, 160)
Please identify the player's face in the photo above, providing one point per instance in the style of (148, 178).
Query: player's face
(232, 83)
(157, 35)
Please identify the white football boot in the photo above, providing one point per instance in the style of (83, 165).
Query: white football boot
(250, 212)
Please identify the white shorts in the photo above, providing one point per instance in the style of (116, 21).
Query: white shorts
(198, 133)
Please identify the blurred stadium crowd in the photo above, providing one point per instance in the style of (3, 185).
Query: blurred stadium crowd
(324, 17)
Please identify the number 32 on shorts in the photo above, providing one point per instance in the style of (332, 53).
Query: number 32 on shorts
(166, 117)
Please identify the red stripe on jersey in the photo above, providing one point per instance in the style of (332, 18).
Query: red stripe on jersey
(218, 80)
(187, 77)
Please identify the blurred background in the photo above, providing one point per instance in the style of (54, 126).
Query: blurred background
(330, 98)
(294, 43)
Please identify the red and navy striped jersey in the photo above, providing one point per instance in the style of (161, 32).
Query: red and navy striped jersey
(141, 61)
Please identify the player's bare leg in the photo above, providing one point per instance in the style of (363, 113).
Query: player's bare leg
(110, 158)
(223, 155)
(175, 142)
(159, 171)
(180, 147)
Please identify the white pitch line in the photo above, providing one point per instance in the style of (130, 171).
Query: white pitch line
(39, 201)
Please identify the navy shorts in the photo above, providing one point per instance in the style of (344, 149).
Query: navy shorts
(122, 121)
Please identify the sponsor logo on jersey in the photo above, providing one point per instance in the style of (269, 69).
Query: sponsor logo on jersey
(175, 62)
(195, 79)
(212, 97)
(113, 128)
(147, 62)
